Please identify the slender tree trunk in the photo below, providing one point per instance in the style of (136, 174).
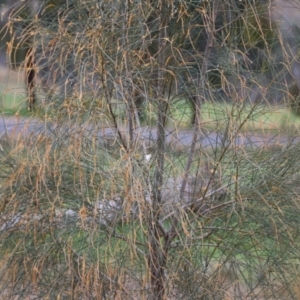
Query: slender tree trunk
(157, 256)
(30, 75)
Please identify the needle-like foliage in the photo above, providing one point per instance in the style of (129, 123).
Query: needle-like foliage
(124, 188)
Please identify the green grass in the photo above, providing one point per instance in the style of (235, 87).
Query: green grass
(12, 92)
(13, 103)
(214, 116)
(259, 117)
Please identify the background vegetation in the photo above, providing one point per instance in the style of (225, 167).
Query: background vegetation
(155, 170)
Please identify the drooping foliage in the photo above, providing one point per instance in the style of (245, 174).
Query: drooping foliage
(98, 203)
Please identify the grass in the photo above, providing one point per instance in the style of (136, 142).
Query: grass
(214, 116)
(13, 103)
(12, 93)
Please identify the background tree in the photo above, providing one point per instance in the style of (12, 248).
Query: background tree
(97, 204)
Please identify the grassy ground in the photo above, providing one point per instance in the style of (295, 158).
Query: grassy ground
(261, 118)
(12, 92)
(214, 115)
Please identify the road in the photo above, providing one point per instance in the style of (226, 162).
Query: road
(15, 128)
